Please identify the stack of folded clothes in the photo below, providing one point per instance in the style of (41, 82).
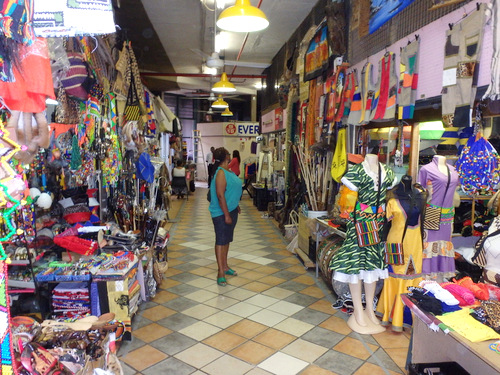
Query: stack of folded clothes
(71, 300)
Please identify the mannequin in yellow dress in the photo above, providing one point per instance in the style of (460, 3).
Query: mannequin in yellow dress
(404, 208)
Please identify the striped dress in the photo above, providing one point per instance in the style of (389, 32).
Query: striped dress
(351, 262)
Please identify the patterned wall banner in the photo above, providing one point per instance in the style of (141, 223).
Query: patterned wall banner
(57, 18)
(382, 11)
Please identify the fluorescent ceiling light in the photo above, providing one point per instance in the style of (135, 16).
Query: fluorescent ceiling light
(221, 41)
(51, 101)
(260, 85)
(221, 4)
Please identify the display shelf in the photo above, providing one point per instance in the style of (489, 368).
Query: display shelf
(22, 284)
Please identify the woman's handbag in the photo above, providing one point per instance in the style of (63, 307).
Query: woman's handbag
(432, 216)
(393, 251)
(367, 231)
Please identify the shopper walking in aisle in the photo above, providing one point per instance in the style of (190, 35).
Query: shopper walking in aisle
(234, 165)
(210, 164)
(225, 194)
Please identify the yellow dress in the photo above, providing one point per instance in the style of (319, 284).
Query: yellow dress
(390, 306)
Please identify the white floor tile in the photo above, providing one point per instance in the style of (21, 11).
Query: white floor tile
(294, 327)
(240, 294)
(201, 295)
(199, 355)
(200, 282)
(243, 309)
(286, 308)
(263, 261)
(221, 302)
(304, 350)
(227, 365)
(262, 300)
(223, 319)
(283, 364)
(199, 331)
(267, 317)
(200, 311)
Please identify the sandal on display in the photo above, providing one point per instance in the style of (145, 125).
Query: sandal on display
(221, 281)
(231, 272)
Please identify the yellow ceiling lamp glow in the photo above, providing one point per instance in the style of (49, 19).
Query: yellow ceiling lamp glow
(223, 85)
(242, 17)
(220, 103)
(227, 112)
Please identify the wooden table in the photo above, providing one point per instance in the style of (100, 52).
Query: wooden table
(436, 347)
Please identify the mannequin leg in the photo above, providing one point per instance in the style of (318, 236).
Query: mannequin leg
(369, 296)
(358, 305)
(360, 321)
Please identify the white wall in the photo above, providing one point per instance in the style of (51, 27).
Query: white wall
(212, 135)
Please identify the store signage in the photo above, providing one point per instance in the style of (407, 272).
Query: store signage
(268, 122)
(230, 129)
(243, 129)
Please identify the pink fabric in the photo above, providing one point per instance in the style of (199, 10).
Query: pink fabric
(459, 292)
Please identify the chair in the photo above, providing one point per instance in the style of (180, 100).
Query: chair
(180, 186)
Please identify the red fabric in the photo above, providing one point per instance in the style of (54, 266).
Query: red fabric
(384, 87)
(33, 80)
(234, 166)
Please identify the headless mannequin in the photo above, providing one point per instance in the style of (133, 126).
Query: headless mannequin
(443, 168)
(364, 321)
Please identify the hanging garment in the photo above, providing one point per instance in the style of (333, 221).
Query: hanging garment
(461, 68)
(438, 255)
(493, 91)
(58, 18)
(339, 161)
(408, 80)
(367, 93)
(384, 102)
(357, 101)
(350, 87)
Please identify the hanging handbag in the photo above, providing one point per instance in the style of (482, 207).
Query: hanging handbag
(432, 217)
(132, 108)
(367, 231)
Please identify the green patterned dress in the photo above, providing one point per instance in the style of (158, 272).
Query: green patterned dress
(351, 262)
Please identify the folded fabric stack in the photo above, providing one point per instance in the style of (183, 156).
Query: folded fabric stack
(71, 300)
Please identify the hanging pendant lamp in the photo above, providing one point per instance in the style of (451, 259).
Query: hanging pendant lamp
(227, 112)
(242, 17)
(220, 103)
(223, 85)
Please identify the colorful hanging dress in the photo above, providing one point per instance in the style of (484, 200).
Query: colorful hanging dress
(384, 103)
(367, 93)
(351, 262)
(439, 256)
(408, 80)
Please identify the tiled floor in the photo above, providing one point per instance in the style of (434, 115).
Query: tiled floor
(275, 317)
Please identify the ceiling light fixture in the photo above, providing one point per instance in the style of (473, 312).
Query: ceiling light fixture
(223, 85)
(227, 112)
(220, 103)
(221, 41)
(242, 17)
(212, 97)
(221, 4)
(210, 111)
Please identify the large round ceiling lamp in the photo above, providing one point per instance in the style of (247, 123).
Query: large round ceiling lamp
(227, 112)
(220, 103)
(223, 85)
(242, 17)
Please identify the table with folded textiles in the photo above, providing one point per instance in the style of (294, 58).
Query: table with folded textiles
(431, 344)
